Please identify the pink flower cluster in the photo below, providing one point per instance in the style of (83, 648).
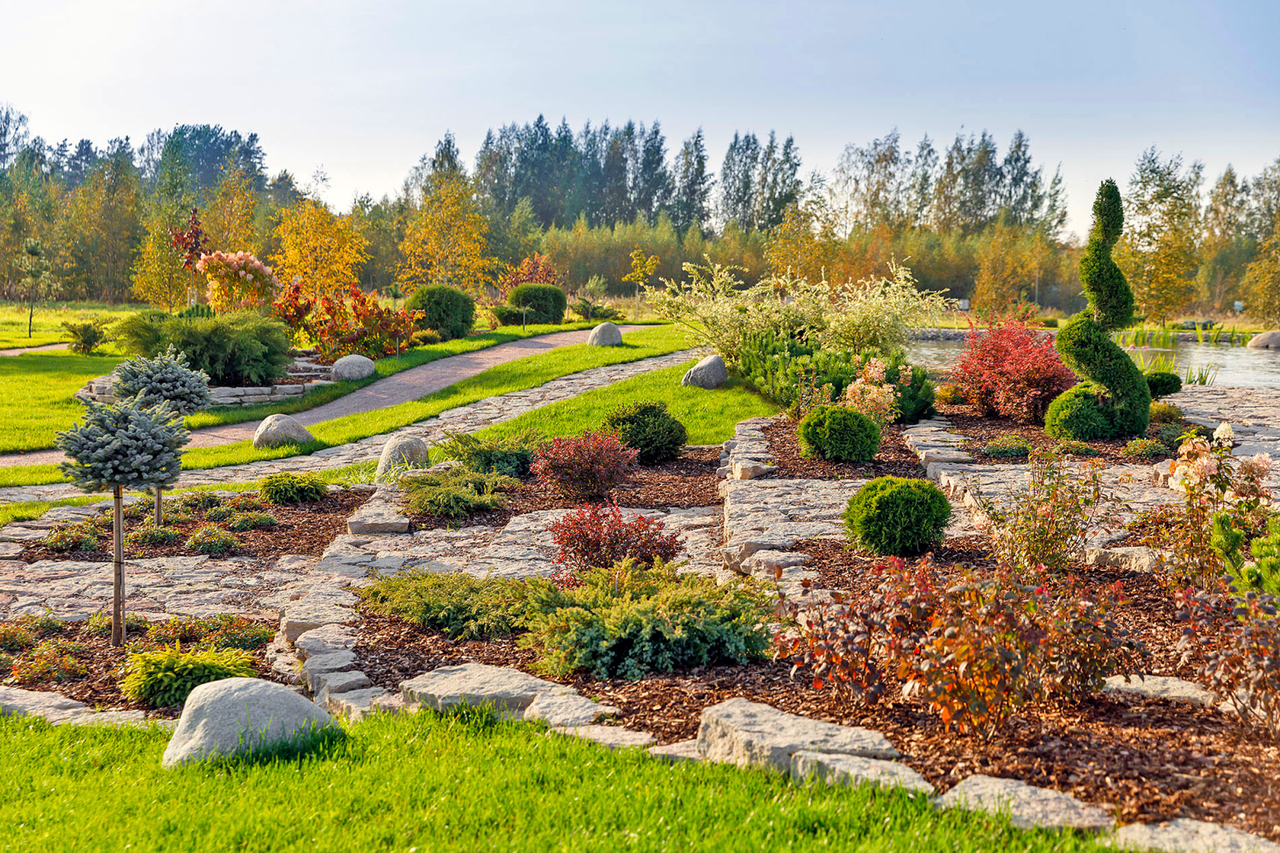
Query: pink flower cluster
(238, 281)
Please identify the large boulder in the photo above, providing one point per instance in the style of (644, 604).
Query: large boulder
(1265, 340)
(739, 731)
(509, 692)
(709, 373)
(605, 335)
(235, 716)
(351, 368)
(279, 430)
(402, 450)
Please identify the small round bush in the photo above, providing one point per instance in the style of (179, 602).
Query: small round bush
(1146, 448)
(838, 434)
(1077, 414)
(898, 517)
(546, 302)
(212, 539)
(1007, 447)
(149, 534)
(1166, 413)
(74, 537)
(287, 488)
(251, 521)
(448, 310)
(246, 502)
(649, 429)
(219, 513)
(199, 500)
(1162, 383)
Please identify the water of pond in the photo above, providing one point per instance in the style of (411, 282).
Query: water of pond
(1238, 367)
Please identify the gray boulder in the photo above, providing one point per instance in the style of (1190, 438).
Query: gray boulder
(351, 368)
(709, 373)
(605, 335)
(1265, 340)
(239, 715)
(279, 430)
(749, 734)
(402, 450)
(1028, 807)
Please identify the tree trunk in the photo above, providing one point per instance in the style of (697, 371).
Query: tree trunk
(117, 599)
(31, 318)
(159, 503)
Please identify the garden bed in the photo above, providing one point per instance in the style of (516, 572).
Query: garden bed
(964, 420)
(894, 458)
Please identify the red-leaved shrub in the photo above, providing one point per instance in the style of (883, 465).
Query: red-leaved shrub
(1011, 370)
(595, 536)
(584, 466)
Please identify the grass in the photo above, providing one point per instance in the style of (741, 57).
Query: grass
(709, 416)
(30, 510)
(49, 318)
(426, 782)
(36, 390)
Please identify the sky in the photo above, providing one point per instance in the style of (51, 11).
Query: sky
(361, 90)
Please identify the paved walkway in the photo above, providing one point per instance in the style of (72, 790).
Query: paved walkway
(44, 348)
(411, 384)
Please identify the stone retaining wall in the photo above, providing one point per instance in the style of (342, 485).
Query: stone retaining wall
(305, 367)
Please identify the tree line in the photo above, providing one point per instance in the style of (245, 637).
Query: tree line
(968, 217)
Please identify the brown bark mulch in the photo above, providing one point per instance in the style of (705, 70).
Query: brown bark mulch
(979, 429)
(893, 458)
(305, 529)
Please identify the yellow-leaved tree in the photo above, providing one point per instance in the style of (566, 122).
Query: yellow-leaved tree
(801, 244)
(324, 251)
(445, 239)
(228, 216)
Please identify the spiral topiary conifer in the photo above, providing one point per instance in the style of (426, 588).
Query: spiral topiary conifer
(1113, 400)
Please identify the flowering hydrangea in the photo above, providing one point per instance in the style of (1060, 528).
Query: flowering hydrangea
(237, 281)
(872, 395)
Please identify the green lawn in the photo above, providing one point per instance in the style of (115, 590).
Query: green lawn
(709, 416)
(424, 782)
(35, 391)
(49, 318)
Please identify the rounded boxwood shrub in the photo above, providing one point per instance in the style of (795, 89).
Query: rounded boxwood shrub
(1162, 383)
(448, 310)
(1166, 413)
(1077, 415)
(898, 517)
(546, 303)
(838, 434)
(287, 488)
(649, 429)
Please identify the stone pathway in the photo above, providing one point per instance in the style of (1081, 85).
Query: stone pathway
(467, 418)
(43, 348)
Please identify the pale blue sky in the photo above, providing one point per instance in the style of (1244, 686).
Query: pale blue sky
(363, 89)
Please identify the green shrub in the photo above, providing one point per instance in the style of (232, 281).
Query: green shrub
(1049, 322)
(948, 395)
(211, 539)
(99, 624)
(1007, 447)
(510, 454)
(50, 660)
(456, 492)
(149, 534)
(649, 429)
(194, 312)
(447, 310)
(1264, 573)
(81, 536)
(86, 337)
(219, 513)
(838, 434)
(289, 488)
(1162, 383)
(167, 378)
(199, 500)
(233, 349)
(15, 638)
(546, 303)
(1076, 448)
(1145, 448)
(507, 316)
(1077, 414)
(461, 606)
(42, 625)
(243, 521)
(1166, 413)
(165, 678)
(1170, 435)
(897, 517)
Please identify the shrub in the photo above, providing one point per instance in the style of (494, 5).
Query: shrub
(167, 378)
(1264, 573)
(211, 539)
(6, 666)
(1165, 413)
(198, 500)
(81, 536)
(509, 454)
(149, 534)
(456, 492)
(838, 434)
(166, 677)
(949, 395)
(459, 605)
(1145, 448)
(1011, 371)
(219, 513)
(505, 315)
(246, 502)
(448, 310)
(1007, 446)
(545, 303)
(1162, 383)
(86, 337)
(583, 467)
(238, 281)
(15, 637)
(224, 631)
(594, 536)
(1049, 322)
(625, 622)
(649, 429)
(873, 396)
(897, 516)
(289, 488)
(191, 312)
(1047, 522)
(51, 660)
(1077, 414)
(233, 349)
(42, 625)
(588, 310)
(99, 624)
(243, 521)
(535, 269)
(1076, 448)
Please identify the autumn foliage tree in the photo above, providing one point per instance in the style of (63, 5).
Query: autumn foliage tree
(444, 242)
(324, 252)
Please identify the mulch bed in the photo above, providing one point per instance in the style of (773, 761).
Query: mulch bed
(894, 458)
(979, 429)
(689, 481)
(305, 529)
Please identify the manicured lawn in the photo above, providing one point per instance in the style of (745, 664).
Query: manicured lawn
(35, 393)
(709, 416)
(48, 321)
(423, 782)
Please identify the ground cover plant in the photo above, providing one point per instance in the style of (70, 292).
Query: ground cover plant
(455, 492)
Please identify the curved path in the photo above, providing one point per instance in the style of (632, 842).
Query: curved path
(411, 384)
(42, 348)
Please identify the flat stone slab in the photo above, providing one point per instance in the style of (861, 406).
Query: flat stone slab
(325, 640)
(613, 737)
(674, 753)
(1161, 687)
(853, 770)
(1028, 807)
(747, 733)
(35, 703)
(510, 692)
(1184, 835)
